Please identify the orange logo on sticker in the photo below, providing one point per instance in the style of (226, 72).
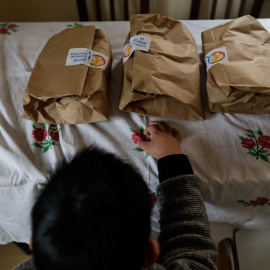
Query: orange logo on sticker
(216, 57)
(127, 51)
(97, 61)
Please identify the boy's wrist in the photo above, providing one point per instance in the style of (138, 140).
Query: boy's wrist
(173, 165)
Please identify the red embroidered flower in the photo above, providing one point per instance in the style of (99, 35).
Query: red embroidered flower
(264, 141)
(248, 143)
(262, 200)
(39, 134)
(153, 198)
(136, 137)
(54, 135)
(254, 203)
(13, 25)
(3, 31)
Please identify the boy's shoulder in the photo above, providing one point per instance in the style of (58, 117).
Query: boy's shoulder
(26, 265)
(156, 266)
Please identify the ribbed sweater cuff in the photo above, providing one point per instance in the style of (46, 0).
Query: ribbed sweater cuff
(173, 165)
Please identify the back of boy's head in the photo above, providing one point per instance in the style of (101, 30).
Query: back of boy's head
(94, 213)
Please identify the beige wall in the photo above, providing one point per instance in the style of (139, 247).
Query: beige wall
(66, 10)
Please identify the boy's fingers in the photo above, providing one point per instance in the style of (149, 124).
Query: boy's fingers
(158, 125)
(143, 145)
(176, 134)
(150, 130)
(166, 126)
(163, 126)
(153, 123)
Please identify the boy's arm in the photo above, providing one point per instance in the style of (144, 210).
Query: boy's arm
(185, 239)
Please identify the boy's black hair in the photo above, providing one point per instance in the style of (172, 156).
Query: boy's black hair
(94, 213)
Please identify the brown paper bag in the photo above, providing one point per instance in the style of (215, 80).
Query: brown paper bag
(59, 94)
(242, 85)
(165, 81)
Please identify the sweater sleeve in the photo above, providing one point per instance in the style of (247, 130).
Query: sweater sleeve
(26, 265)
(185, 239)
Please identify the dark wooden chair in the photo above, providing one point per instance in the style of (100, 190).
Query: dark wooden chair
(194, 11)
(81, 4)
(255, 10)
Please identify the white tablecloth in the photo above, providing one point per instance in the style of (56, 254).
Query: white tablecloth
(231, 178)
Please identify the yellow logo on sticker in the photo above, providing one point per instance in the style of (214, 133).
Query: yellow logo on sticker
(216, 57)
(127, 51)
(97, 61)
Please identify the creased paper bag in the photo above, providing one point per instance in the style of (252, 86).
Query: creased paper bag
(60, 94)
(164, 81)
(240, 84)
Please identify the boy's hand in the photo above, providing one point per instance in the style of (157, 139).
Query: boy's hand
(165, 140)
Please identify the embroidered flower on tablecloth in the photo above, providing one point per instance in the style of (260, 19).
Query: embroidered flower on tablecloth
(139, 136)
(153, 198)
(41, 183)
(7, 28)
(74, 25)
(259, 201)
(256, 146)
(41, 135)
(54, 135)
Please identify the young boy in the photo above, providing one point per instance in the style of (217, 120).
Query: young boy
(95, 213)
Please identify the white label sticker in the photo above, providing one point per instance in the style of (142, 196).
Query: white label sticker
(216, 56)
(139, 42)
(83, 56)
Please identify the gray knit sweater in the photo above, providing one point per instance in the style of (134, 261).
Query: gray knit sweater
(185, 240)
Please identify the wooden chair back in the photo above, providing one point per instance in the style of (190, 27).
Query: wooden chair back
(82, 9)
(255, 10)
(194, 11)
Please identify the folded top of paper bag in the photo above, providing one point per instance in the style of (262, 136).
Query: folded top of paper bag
(237, 56)
(68, 75)
(163, 80)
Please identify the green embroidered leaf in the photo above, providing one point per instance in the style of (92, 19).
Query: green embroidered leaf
(44, 126)
(37, 145)
(69, 25)
(253, 154)
(77, 24)
(59, 129)
(241, 137)
(45, 143)
(264, 158)
(53, 127)
(263, 151)
(249, 136)
(53, 143)
(260, 132)
(141, 129)
(8, 33)
(131, 129)
(138, 149)
(33, 126)
(146, 155)
(45, 149)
